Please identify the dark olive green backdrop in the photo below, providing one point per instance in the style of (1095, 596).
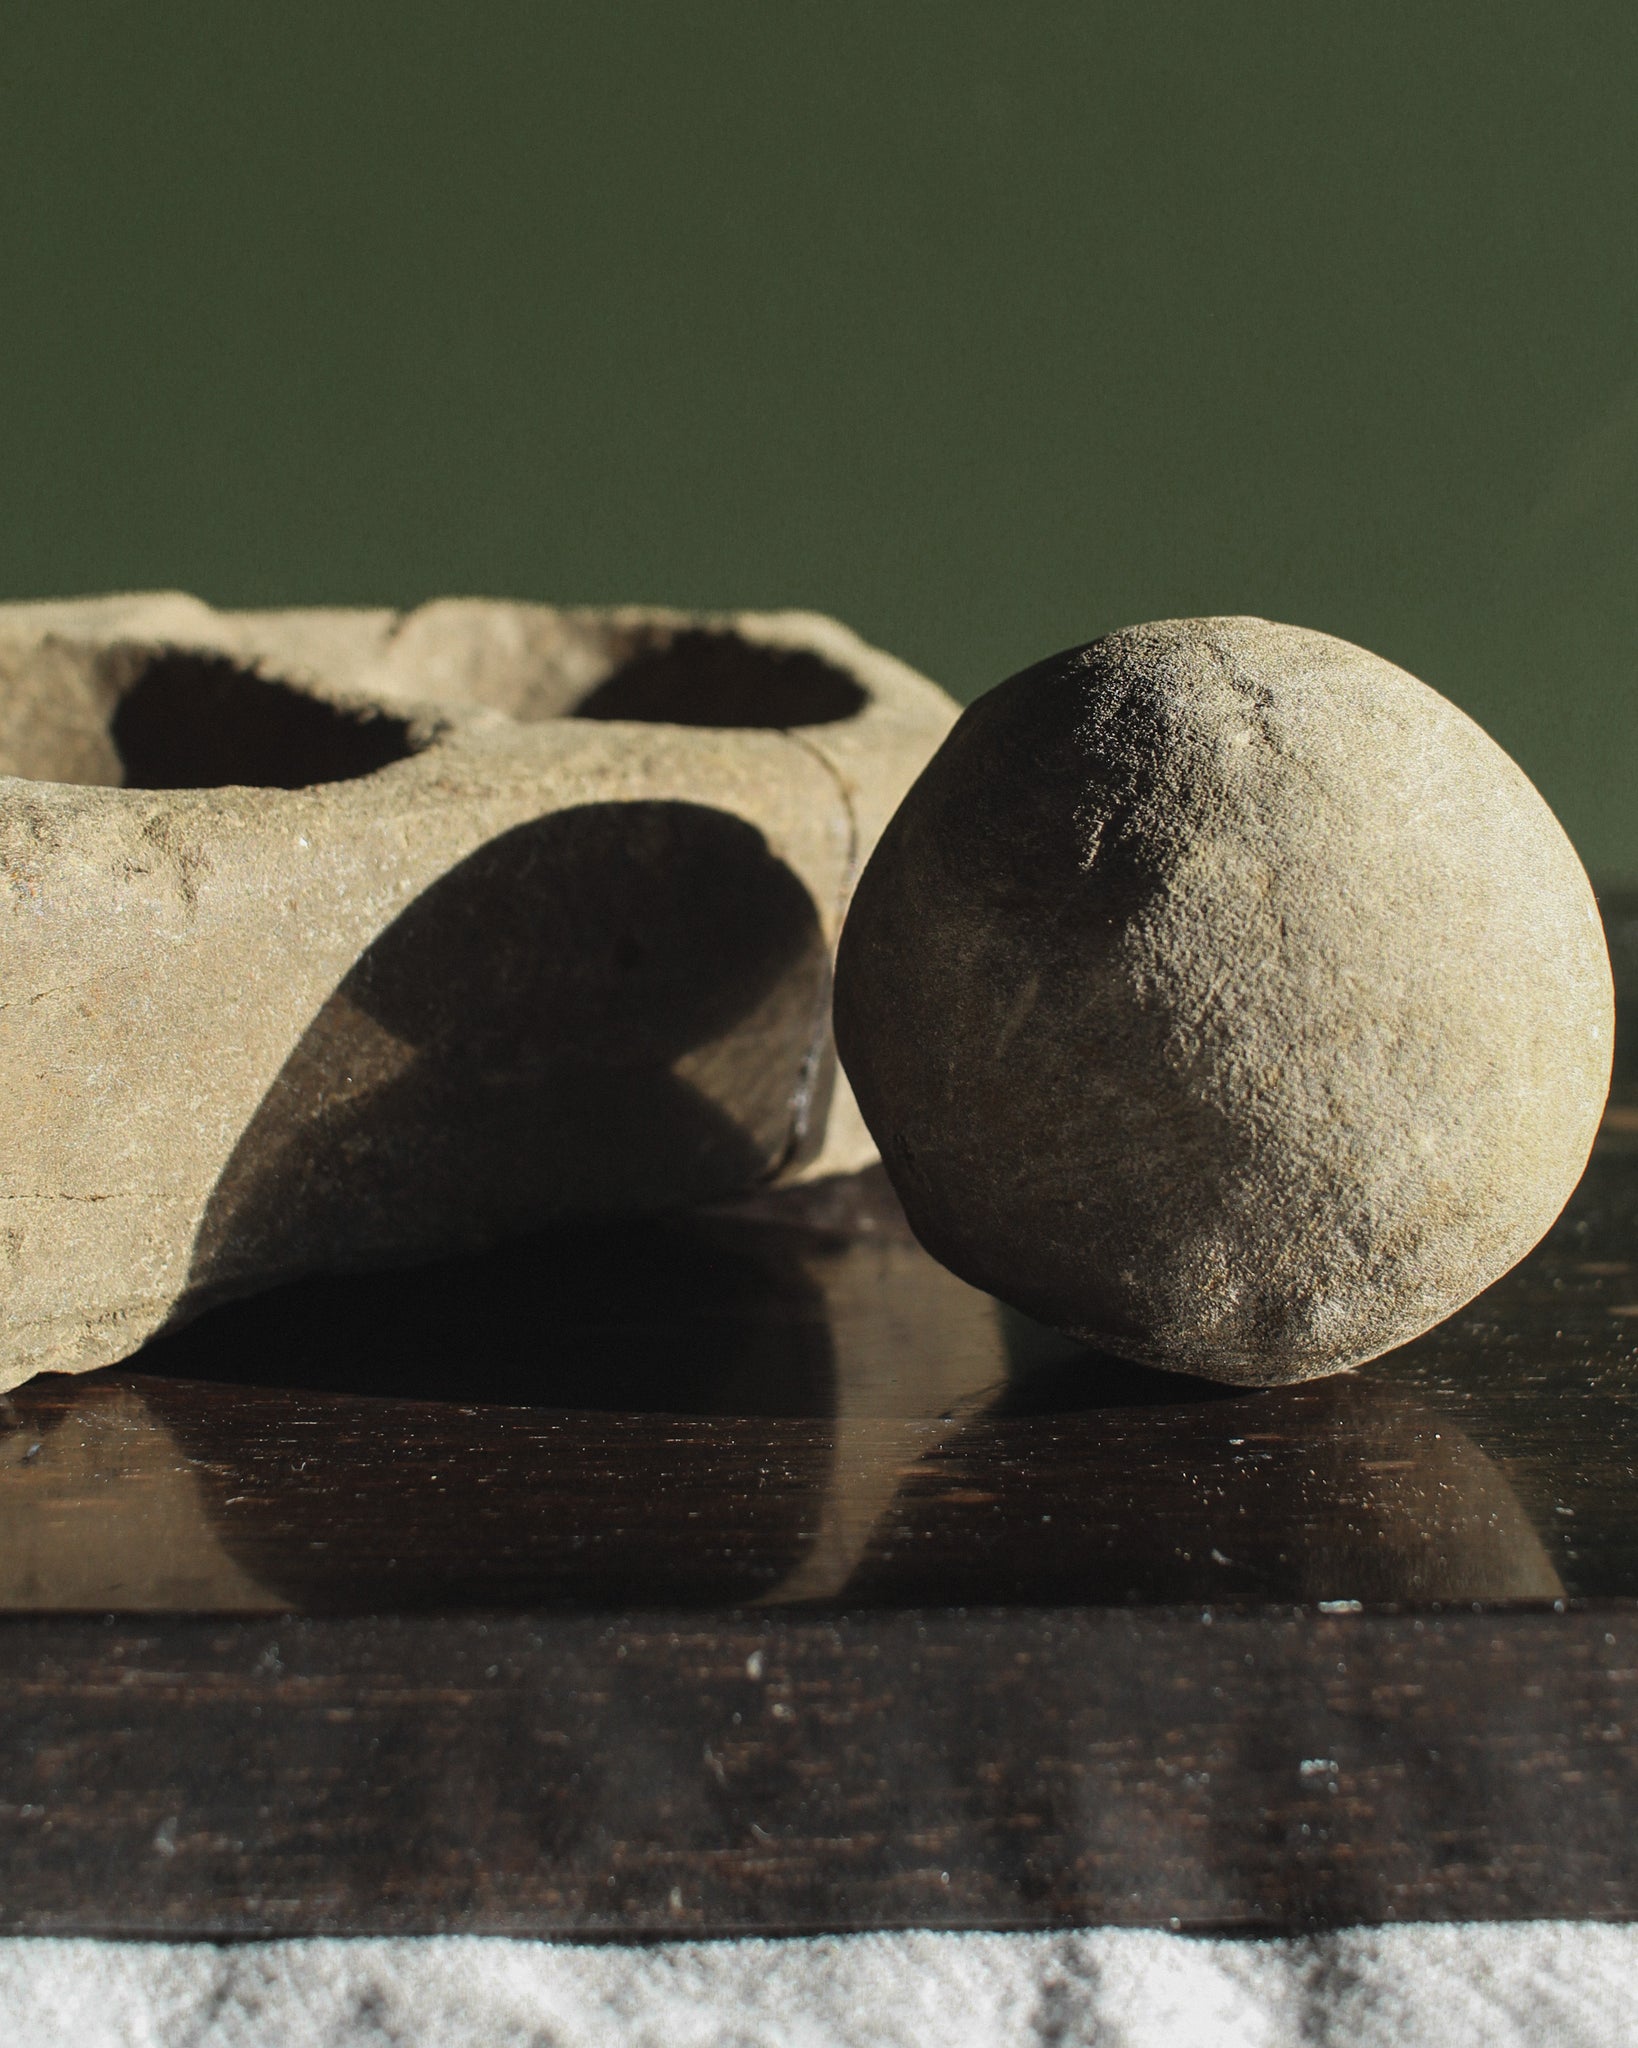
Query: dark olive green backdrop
(986, 326)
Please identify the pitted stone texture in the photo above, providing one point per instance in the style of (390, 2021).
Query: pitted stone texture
(335, 938)
(1225, 997)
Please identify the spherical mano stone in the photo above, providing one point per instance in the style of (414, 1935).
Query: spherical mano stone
(1225, 997)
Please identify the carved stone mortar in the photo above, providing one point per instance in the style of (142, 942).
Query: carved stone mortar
(346, 938)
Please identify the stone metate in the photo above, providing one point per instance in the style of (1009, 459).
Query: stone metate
(1225, 997)
(343, 938)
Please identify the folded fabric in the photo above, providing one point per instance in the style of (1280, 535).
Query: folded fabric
(1489, 1985)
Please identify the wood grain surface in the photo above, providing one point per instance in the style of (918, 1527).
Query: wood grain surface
(654, 1775)
(747, 1572)
(765, 1409)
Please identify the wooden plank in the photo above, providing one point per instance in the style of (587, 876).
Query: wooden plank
(654, 1775)
(759, 1409)
(748, 1573)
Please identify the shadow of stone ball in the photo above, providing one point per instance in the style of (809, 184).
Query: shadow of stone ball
(514, 1048)
(1223, 996)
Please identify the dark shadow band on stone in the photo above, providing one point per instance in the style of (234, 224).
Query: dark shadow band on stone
(505, 1054)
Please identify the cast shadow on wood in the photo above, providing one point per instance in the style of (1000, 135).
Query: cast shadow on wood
(671, 1315)
(728, 1409)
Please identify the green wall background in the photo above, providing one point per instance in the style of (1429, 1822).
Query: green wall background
(988, 327)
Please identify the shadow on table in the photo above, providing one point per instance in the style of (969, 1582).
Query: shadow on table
(785, 1400)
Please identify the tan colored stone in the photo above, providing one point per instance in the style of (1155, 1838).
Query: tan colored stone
(339, 938)
(1225, 997)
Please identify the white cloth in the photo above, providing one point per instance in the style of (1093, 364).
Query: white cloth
(1490, 1985)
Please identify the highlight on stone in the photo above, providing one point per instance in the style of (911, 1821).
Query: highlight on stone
(1225, 997)
(345, 938)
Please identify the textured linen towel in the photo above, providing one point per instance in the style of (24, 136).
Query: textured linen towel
(1537, 1984)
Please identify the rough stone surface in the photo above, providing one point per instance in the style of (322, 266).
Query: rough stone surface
(341, 938)
(1225, 997)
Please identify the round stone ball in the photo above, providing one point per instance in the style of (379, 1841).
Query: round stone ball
(1224, 997)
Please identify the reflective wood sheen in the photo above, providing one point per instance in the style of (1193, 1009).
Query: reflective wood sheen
(808, 1575)
(798, 1406)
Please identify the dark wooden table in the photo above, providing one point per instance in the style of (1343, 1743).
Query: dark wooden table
(746, 1572)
